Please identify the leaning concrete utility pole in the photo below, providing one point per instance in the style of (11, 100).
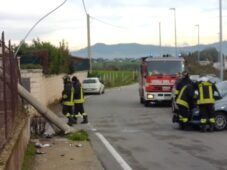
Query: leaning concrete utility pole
(89, 43)
(43, 110)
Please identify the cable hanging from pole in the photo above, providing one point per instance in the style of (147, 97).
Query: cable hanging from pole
(97, 19)
(106, 23)
(85, 10)
(23, 40)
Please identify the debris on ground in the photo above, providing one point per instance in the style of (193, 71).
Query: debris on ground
(39, 152)
(40, 145)
(79, 145)
(65, 154)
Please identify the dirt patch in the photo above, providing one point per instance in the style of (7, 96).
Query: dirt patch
(66, 155)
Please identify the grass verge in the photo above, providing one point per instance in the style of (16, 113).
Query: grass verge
(29, 156)
(78, 136)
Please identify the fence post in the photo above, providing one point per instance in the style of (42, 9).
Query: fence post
(4, 85)
(13, 83)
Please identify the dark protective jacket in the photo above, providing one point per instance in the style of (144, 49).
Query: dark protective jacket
(78, 93)
(181, 83)
(68, 94)
(187, 97)
(206, 93)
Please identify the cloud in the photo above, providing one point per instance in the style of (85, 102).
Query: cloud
(139, 19)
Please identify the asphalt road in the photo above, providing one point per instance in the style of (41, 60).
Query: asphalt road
(146, 138)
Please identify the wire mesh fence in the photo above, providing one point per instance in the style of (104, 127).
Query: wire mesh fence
(9, 99)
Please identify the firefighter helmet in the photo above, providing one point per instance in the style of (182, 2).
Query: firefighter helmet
(75, 79)
(185, 74)
(66, 79)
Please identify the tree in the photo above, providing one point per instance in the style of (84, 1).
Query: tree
(58, 57)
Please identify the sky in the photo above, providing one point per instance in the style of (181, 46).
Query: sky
(122, 21)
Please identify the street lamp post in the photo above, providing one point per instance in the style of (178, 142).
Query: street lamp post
(220, 41)
(160, 38)
(175, 29)
(198, 42)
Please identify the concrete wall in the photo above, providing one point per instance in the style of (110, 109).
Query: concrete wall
(13, 153)
(47, 88)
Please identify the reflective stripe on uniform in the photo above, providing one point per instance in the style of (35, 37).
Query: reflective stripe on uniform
(203, 121)
(184, 120)
(177, 92)
(212, 120)
(70, 103)
(64, 96)
(78, 116)
(210, 98)
(84, 114)
(81, 100)
(205, 101)
(180, 101)
(68, 115)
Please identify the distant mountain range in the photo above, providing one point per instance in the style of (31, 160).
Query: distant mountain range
(134, 50)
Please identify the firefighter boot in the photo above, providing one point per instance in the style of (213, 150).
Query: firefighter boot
(211, 124)
(85, 121)
(203, 128)
(70, 122)
(74, 120)
(211, 128)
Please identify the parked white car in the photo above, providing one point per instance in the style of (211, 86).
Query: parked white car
(93, 85)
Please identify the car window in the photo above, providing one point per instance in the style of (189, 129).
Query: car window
(214, 80)
(222, 88)
(89, 81)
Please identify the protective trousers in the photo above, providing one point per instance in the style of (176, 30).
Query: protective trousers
(206, 114)
(79, 111)
(68, 112)
(183, 114)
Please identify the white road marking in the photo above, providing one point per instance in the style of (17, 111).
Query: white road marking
(115, 154)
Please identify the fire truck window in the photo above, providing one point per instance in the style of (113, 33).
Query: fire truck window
(164, 67)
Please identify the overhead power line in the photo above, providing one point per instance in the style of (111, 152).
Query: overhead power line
(85, 10)
(106, 23)
(46, 15)
(97, 19)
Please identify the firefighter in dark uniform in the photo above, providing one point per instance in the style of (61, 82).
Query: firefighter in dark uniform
(206, 103)
(185, 101)
(67, 99)
(183, 80)
(79, 100)
(185, 98)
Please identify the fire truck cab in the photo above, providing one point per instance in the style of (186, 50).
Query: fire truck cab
(157, 76)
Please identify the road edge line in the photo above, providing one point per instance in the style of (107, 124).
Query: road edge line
(115, 154)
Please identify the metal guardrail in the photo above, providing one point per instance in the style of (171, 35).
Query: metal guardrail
(9, 98)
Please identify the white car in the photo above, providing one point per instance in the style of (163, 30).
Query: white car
(93, 85)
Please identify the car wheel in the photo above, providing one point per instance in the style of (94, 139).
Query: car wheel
(103, 91)
(220, 121)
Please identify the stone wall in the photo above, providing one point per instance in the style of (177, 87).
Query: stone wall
(47, 88)
(13, 152)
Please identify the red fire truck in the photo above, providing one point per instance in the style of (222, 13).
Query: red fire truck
(157, 76)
